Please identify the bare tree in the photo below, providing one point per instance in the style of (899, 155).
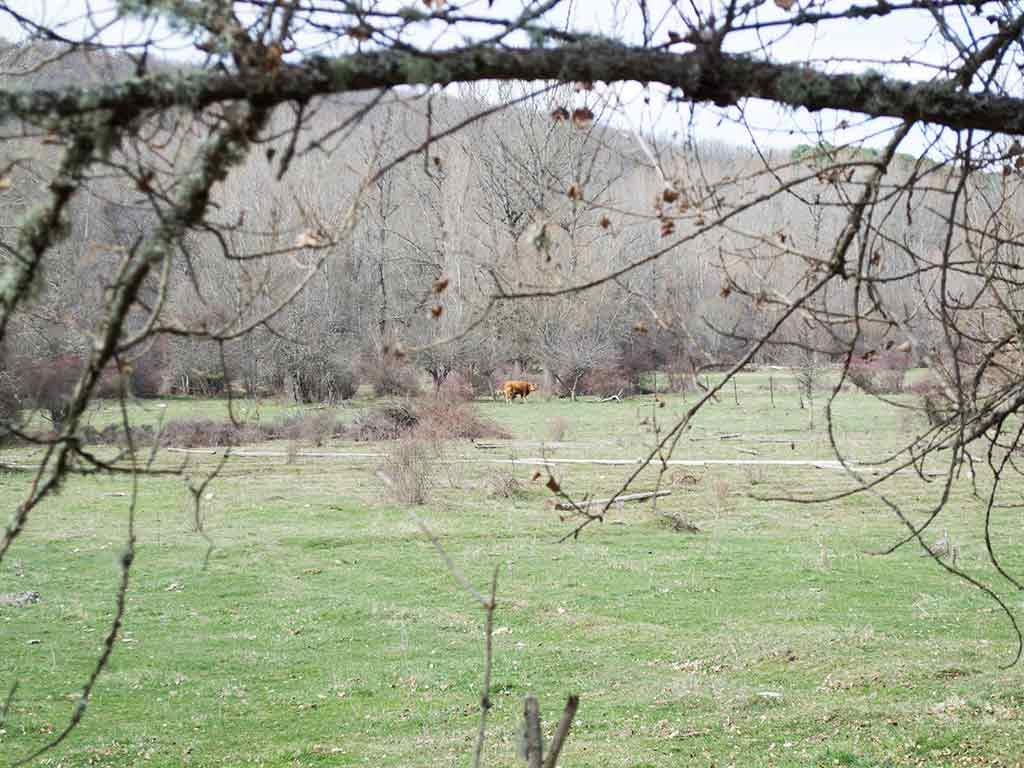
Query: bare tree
(913, 187)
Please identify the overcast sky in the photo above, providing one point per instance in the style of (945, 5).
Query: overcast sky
(847, 45)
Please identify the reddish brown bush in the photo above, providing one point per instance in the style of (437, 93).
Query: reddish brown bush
(202, 432)
(389, 422)
(606, 382)
(879, 374)
(457, 387)
(449, 420)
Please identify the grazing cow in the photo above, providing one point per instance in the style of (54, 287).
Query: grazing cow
(512, 389)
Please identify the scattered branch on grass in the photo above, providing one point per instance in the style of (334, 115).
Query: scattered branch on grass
(625, 497)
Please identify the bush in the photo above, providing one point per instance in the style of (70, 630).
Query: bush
(449, 420)
(410, 469)
(879, 374)
(484, 383)
(322, 379)
(391, 378)
(605, 382)
(456, 387)
(147, 379)
(202, 432)
(10, 404)
(313, 427)
(112, 434)
(389, 422)
(49, 385)
(933, 399)
(679, 378)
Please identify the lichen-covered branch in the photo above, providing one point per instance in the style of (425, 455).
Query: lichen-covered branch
(702, 74)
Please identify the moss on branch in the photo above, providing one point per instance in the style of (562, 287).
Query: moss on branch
(699, 74)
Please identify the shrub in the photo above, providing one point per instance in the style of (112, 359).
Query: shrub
(456, 387)
(313, 427)
(484, 383)
(449, 420)
(933, 400)
(49, 385)
(389, 422)
(679, 379)
(410, 469)
(202, 432)
(879, 374)
(147, 378)
(391, 378)
(321, 379)
(503, 485)
(605, 382)
(112, 434)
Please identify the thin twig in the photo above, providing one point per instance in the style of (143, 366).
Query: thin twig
(485, 695)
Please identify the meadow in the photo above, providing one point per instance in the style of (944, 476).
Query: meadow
(323, 628)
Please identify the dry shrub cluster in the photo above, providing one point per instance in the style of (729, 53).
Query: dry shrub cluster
(457, 386)
(314, 428)
(388, 422)
(389, 376)
(879, 374)
(321, 378)
(202, 432)
(933, 399)
(606, 382)
(679, 379)
(424, 428)
(504, 486)
(411, 469)
(454, 420)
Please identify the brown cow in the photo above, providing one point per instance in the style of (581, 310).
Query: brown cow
(511, 389)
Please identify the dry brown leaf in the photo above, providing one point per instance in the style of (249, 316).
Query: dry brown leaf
(582, 117)
(309, 239)
(558, 114)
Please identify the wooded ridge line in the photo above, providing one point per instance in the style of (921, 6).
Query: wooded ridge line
(702, 74)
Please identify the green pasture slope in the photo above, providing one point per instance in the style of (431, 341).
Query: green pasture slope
(325, 630)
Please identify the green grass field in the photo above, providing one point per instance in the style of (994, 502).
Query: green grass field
(326, 630)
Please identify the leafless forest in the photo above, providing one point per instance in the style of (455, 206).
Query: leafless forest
(468, 252)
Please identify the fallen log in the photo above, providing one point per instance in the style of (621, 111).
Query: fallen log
(563, 505)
